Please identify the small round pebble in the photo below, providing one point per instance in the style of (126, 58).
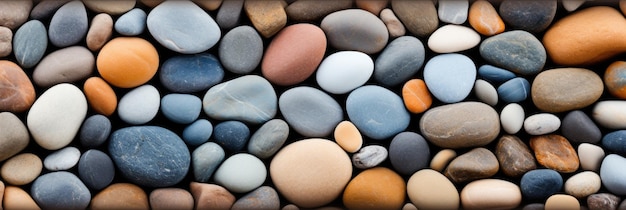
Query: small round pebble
(344, 71)
(348, 137)
(131, 23)
(17, 87)
(66, 65)
(369, 156)
(486, 92)
(205, 159)
(612, 174)
(478, 163)
(231, 135)
(211, 196)
(125, 195)
(515, 90)
(14, 137)
(17, 198)
(441, 159)
(453, 38)
(364, 106)
(269, 138)
(95, 131)
(408, 153)
(583, 184)
(140, 105)
(542, 123)
(514, 156)
(29, 43)
(21, 169)
(62, 159)
(429, 189)
(517, 51)
(614, 79)
(340, 27)
(512, 118)
(111, 7)
(170, 198)
(491, 194)
(191, 73)
(532, 16)
(495, 74)
(601, 201)
(399, 61)
(181, 108)
(100, 96)
(198, 132)
(578, 127)
(555, 152)
(416, 97)
(454, 12)
(229, 14)
(609, 114)
(241, 173)
(614, 142)
(96, 169)
(68, 25)
(99, 32)
(450, 77)
(60, 190)
(484, 18)
(309, 111)
(394, 25)
(590, 156)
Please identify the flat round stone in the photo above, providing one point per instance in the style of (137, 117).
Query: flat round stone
(140, 105)
(399, 61)
(344, 71)
(96, 169)
(378, 188)
(241, 49)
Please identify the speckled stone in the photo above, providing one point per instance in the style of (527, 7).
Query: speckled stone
(419, 17)
(517, 51)
(476, 164)
(554, 151)
(269, 138)
(264, 197)
(241, 49)
(531, 16)
(566, 89)
(514, 156)
(341, 25)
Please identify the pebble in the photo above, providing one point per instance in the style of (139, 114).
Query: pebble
(491, 194)
(344, 71)
(613, 76)
(62, 159)
(207, 5)
(94, 131)
(517, 51)
(294, 54)
(66, 65)
(241, 173)
(561, 201)
(63, 101)
(577, 127)
(6, 38)
(399, 61)
(539, 184)
(68, 25)
(183, 27)
(408, 153)
(143, 162)
(394, 26)
(231, 135)
(14, 13)
(610, 114)
(514, 156)
(494, 74)
(583, 184)
(554, 151)
(241, 49)
(484, 18)
(268, 17)
(100, 96)
(309, 11)
(348, 136)
(614, 142)
(14, 137)
(566, 89)
(453, 11)
(309, 111)
(111, 7)
(45, 9)
(590, 156)
(445, 126)
(373, 6)
(542, 123)
(486, 92)
(198, 132)
(21, 169)
(170, 198)
(16, 88)
(96, 169)
(341, 26)
(441, 160)
(127, 62)
(450, 77)
(600, 201)
(419, 17)
(205, 159)
(140, 105)
(29, 43)
(264, 197)
(376, 188)
(269, 138)
(369, 156)
(534, 206)
(327, 166)
(429, 189)
(131, 23)
(191, 73)
(181, 108)
(211, 196)
(16, 198)
(60, 190)
(374, 119)
(229, 14)
(476, 164)
(99, 32)
(515, 90)
(531, 16)
(572, 5)
(124, 195)
(611, 174)
(416, 97)
(249, 98)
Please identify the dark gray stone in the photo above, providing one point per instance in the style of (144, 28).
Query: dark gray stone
(577, 127)
(615, 142)
(60, 190)
(96, 169)
(30, 43)
(45, 9)
(539, 184)
(309, 111)
(532, 16)
(229, 14)
(95, 131)
(263, 197)
(517, 51)
(191, 73)
(399, 61)
(68, 25)
(205, 159)
(232, 135)
(269, 138)
(241, 50)
(408, 153)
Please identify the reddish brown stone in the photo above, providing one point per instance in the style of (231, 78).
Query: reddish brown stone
(373, 6)
(120, 196)
(514, 156)
(171, 198)
(17, 93)
(211, 196)
(476, 164)
(555, 152)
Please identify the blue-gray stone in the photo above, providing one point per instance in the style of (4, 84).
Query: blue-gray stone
(96, 169)
(29, 43)
(539, 184)
(408, 153)
(131, 23)
(249, 98)
(269, 138)
(183, 27)
(231, 135)
(68, 25)
(181, 108)
(377, 112)
(577, 127)
(532, 16)
(149, 156)
(191, 73)
(515, 90)
(450, 77)
(495, 74)
(60, 190)
(518, 51)
(615, 141)
(309, 111)
(399, 61)
(205, 159)
(45, 9)
(198, 132)
(612, 173)
(264, 197)
(94, 131)
(241, 49)
(229, 14)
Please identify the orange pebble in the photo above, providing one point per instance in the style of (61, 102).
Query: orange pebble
(348, 137)
(484, 18)
(615, 79)
(127, 62)
(376, 188)
(416, 97)
(100, 96)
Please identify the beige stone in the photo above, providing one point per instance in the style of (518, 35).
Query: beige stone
(491, 194)
(6, 39)
(394, 26)
(120, 196)
(566, 89)
(111, 7)
(21, 169)
(561, 201)
(171, 198)
(16, 198)
(441, 159)
(268, 17)
(409, 206)
(14, 137)
(348, 137)
(590, 156)
(99, 32)
(583, 184)
(419, 17)
(476, 164)
(429, 189)
(211, 196)
(14, 13)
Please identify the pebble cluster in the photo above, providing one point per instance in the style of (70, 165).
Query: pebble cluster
(357, 104)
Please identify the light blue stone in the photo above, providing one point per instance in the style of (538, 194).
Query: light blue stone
(309, 111)
(181, 108)
(514, 90)
(60, 190)
(377, 112)
(68, 25)
(231, 135)
(131, 23)
(269, 138)
(399, 61)
(495, 74)
(612, 173)
(205, 159)
(518, 51)
(191, 73)
(29, 43)
(450, 77)
(198, 132)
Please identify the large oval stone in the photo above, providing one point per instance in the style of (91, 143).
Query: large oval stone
(309, 111)
(17, 93)
(450, 77)
(555, 152)
(491, 194)
(612, 174)
(447, 126)
(517, 51)
(60, 190)
(514, 156)
(429, 189)
(29, 43)
(150, 156)
(191, 73)
(65, 65)
(377, 112)
(566, 89)
(341, 26)
(478, 163)
(376, 188)
(69, 24)
(399, 61)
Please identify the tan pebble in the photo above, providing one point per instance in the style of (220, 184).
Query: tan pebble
(583, 184)
(429, 189)
(561, 202)
(16, 198)
(99, 32)
(622, 6)
(394, 26)
(590, 156)
(268, 17)
(14, 136)
(409, 206)
(112, 7)
(441, 159)
(120, 196)
(211, 196)
(21, 169)
(554, 151)
(376, 188)
(491, 194)
(290, 207)
(313, 10)
(566, 89)
(348, 137)
(476, 164)
(14, 13)
(484, 18)
(373, 6)
(208, 4)
(6, 38)
(171, 198)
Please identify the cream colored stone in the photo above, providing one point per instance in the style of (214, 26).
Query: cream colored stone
(16, 198)
(348, 137)
(583, 184)
(441, 159)
(21, 169)
(112, 7)
(590, 156)
(491, 194)
(561, 201)
(429, 189)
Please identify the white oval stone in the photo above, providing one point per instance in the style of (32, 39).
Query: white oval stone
(590, 156)
(486, 92)
(139, 105)
(610, 114)
(63, 159)
(241, 173)
(491, 194)
(344, 71)
(56, 116)
(583, 184)
(543, 123)
(453, 38)
(512, 118)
